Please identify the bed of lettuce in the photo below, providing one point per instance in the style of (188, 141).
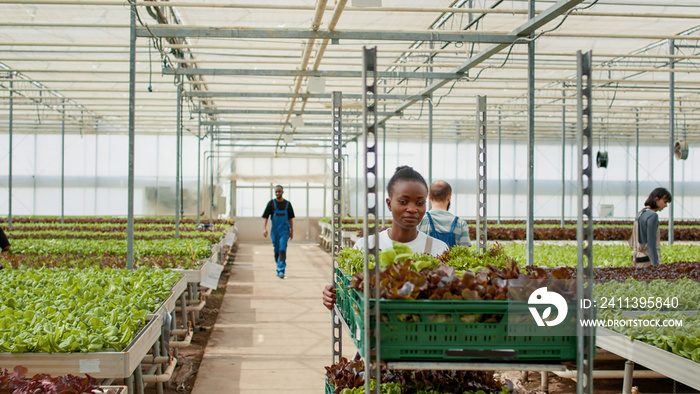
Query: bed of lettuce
(64, 310)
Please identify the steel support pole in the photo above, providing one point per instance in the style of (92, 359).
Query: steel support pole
(337, 218)
(563, 152)
(182, 172)
(199, 165)
(430, 125)
(96, 169)
(369, 123)
(636, 161)
(628, 377)
(178, 127)
(499, 165)
(132, 133)
(383, 171)
(234, 191)
(357, 178)
(9, 175)
(36, 166)
(430, 141)
(530, 140)
(671, 132)
(308, 219)
(63, 157)
(211, 177)
(481, 173)
(584, 230)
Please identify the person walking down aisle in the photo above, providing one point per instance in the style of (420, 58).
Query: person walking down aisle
(646, 236)
(282, 227)
(439, 223)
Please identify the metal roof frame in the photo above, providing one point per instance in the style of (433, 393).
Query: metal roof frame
(78, 49)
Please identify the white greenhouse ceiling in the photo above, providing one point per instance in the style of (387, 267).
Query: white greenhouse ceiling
(261, 73)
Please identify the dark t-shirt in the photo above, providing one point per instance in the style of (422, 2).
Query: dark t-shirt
(269, 210)
(3, 240)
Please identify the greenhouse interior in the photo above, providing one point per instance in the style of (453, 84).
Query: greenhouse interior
(156, 149)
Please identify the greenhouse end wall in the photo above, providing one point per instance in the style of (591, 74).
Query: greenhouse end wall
(96, 171)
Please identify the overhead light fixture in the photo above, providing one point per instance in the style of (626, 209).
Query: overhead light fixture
(366, 3)
(288, 138)
(316, 85)
(296, 121)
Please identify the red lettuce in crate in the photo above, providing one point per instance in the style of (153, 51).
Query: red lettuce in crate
(17, 383)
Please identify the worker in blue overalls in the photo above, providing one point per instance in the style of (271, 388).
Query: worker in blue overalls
(282, 227)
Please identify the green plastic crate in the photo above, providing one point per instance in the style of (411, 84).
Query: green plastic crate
(423, 330)
(345, 302)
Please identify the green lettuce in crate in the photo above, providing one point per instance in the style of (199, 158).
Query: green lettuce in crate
(351, 260)
(399, 253)
(384, 388)
(464, 258)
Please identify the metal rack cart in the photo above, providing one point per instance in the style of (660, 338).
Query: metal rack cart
(585, 339)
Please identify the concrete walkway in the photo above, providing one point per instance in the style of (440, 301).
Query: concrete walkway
(272, 335)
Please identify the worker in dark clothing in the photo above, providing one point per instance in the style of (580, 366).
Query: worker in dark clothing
(282, 227)
(646, 236)
(4, 244)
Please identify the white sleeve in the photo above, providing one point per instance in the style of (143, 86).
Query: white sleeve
(360, 243)
(438, 247)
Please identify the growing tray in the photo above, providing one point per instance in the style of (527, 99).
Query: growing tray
(190, 276)
(168, 304)
(100, 365)
(423, 330)
(115, 389)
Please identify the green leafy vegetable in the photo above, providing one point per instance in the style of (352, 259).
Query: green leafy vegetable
(65, 310)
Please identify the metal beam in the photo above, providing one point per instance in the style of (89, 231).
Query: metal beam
(336, 219)
(274, 111)
(63, 161)
(157, 31)
(563, 152)
(481, 160)
(522, 31)
(9, 174)
(199, 166)
(671, 136)
(371, 230)
(290, 95)
(585, 338)
(295, 145)
(306, 73)
(178, 136)
(132, 138)
(306, 124)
